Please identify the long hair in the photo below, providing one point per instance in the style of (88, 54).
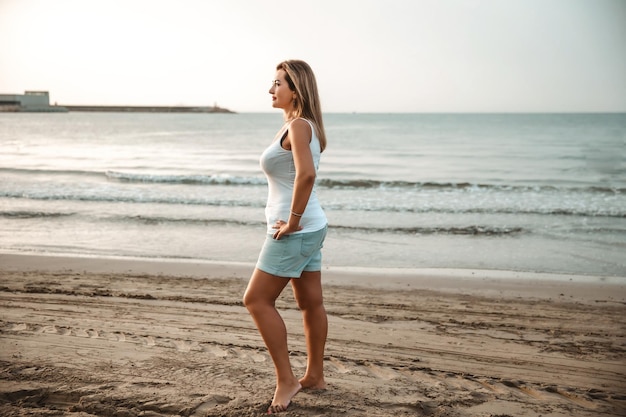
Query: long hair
(301, 79)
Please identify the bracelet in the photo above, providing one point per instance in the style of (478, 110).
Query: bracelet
(296, 214)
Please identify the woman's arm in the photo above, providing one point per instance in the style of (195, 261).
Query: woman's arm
(298, 140)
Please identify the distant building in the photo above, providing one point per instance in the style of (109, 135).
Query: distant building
(30, 101)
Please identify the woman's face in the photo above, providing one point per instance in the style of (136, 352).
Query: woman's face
(282, 96)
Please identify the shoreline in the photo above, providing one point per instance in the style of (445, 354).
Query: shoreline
(489, 283)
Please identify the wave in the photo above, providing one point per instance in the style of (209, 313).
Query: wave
(528, 211)
(224, 179)
(456, 230)
(130, 177)
(383, 208)
(329, 183)
(185, 179)
(28, 171)
(138, 199)
(152, 220)
(24, 214)
(368, 183)
(582, 211)
(158, 220)
(363, 183)
(467, 230)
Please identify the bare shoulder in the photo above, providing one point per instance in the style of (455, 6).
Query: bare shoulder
(300, 129)
(301, 124)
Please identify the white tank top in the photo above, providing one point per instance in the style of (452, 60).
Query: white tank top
(279, 168)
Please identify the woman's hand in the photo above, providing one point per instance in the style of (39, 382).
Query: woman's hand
(284, 228)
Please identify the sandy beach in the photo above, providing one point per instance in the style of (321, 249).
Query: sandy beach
(116, 337)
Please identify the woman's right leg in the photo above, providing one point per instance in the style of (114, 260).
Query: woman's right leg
(308, 293)
(260, 297)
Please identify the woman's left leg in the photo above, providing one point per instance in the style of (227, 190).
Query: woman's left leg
(260, 298)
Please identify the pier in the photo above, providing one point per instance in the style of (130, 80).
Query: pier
(149, 109)
(39, 101)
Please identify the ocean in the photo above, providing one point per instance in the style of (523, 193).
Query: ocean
(518, 192)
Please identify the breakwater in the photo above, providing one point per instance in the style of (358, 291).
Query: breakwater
(149, 109)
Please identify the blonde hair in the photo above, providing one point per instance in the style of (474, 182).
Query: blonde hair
(301, 79)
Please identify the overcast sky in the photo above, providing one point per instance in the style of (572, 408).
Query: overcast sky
(368, 55)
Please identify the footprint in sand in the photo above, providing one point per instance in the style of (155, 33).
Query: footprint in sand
(180, 346)
(64, 331)
(94, 334)
(209, 404)
(571, 396)
(382, 372)
(257, 357)
(55, 330)
(339, 367)
(217, 351)
(183, 346)
(489, 385)
(80, 333)
(297, 362)
(48, 329)
(532, 392)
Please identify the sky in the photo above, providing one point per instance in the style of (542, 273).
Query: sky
(368, 55)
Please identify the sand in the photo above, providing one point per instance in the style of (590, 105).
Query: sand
(114, 337)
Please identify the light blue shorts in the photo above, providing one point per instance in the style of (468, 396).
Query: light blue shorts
(292, 254)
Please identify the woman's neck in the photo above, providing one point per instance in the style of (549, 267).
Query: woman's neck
(289, 115)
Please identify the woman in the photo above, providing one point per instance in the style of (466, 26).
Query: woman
(296, 230)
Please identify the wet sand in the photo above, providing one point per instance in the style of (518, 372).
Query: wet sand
(116, 337)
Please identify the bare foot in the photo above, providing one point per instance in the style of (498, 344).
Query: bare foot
(282, 397)
(313, 383)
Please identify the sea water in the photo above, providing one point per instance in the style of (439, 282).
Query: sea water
(524, 192)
